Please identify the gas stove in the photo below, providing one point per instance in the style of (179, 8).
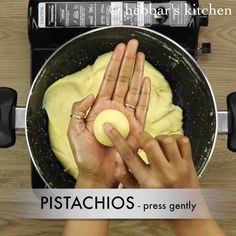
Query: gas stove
(51, 24)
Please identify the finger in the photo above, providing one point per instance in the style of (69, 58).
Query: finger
(170, 148)
(143, 103)
(136, 83)
(152, 149)
(184, 147)
(112, 72)
(123, 175)
(80, 109)
(126, 71)
(133, 162)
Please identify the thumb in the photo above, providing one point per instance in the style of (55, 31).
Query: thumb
(79, 111)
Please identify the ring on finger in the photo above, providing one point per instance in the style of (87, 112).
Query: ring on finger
(130, 106)
(77, 117)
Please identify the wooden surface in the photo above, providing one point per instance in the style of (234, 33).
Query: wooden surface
(220, 67)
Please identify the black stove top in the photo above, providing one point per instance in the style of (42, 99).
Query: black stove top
(47, 33)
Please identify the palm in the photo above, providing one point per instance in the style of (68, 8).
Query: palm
(101, 158)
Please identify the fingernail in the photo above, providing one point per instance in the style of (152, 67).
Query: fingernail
(147, 79)
(108, 127)
(147, 82)
(133, 41)
(141, 55)
(91, 95)
(121, 46)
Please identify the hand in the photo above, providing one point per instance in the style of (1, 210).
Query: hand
(171, 166)
(96, 162)
(170, 159)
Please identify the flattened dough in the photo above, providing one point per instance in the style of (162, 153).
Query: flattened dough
(163, 117)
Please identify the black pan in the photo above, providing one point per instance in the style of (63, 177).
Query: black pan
(191, 90)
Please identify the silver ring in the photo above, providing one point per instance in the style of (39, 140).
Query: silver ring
(130, 106)
(76, 117)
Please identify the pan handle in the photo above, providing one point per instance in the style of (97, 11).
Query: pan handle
(8, 98)
(227, 122)
(231, 103)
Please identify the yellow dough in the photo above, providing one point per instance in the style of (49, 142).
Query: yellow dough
(163, 117)
(118, 121)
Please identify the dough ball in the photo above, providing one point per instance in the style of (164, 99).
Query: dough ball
(116, 118)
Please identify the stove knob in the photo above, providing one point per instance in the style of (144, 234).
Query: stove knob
(161, 18)
(203, 20)
(206, 47)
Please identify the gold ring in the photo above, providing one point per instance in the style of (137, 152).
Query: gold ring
(76, 117)
(130, 106)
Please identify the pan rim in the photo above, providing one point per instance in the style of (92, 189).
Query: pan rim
(189, 56)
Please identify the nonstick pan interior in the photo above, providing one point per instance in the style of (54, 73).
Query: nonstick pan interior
(190, 89)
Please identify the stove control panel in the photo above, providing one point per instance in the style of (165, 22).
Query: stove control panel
(52, 23)
(100, 14)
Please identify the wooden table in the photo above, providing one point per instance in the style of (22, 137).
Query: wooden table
(220, 67)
